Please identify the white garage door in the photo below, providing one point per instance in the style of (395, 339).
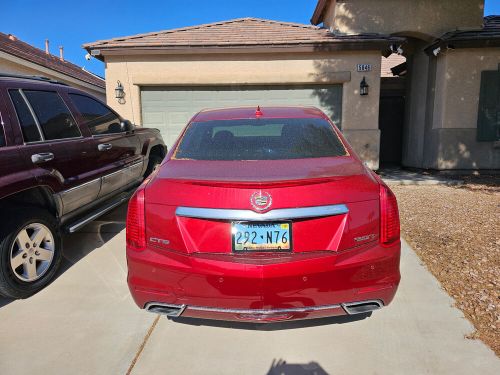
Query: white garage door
(170, 108)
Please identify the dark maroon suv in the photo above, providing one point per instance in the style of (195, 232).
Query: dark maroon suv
(65, 159)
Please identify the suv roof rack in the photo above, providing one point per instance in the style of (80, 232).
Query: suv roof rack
(34, 78)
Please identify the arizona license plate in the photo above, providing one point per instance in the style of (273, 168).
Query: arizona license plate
(263, 236)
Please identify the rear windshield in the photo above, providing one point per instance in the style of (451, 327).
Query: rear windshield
(260, 139)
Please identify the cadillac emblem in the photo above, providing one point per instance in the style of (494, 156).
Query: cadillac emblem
(260, 200)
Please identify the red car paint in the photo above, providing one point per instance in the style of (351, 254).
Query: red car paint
(336, 259)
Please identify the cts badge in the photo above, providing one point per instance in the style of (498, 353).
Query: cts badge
(159, 241)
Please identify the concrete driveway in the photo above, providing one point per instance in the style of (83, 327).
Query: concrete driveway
(86, 323)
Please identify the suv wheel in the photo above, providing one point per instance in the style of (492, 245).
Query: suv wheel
(30, 252)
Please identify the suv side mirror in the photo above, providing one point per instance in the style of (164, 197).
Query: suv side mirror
(126, 126)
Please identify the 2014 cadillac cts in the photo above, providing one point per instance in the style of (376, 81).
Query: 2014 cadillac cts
(262, 215)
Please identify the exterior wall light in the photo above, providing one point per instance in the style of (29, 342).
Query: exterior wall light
(119, 92)
(363, 87)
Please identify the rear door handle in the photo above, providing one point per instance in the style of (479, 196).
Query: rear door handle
(105, 146)
(42, 157)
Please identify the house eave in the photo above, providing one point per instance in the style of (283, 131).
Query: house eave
(456, 43)
(319, 11)
(352, 45)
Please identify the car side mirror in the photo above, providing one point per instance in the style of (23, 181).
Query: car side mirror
(126, 126)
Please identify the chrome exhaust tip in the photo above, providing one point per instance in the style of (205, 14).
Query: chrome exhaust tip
(362, 306)
(172, 311)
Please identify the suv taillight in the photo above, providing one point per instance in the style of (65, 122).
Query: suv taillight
(389, 216)
(136, 226)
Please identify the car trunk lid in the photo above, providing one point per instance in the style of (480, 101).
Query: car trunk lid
(292, 185)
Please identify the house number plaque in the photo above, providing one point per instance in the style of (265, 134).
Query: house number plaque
(364, 67)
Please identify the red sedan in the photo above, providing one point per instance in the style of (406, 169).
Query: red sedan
(262, 215)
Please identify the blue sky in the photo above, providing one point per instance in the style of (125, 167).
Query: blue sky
(71, 23)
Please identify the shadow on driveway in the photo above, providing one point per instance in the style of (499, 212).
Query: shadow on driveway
(281, 367)
(278, 326)
(78, 245)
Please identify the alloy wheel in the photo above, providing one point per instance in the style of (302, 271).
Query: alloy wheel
(32, 252)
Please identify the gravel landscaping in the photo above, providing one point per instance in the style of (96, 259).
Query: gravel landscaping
(455, 230)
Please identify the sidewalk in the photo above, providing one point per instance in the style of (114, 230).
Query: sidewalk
(404, 177)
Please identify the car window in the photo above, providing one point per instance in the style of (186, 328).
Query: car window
(99, 118)
(53, 115)
(2, 136)
(260, 139)
(2, 131)
(28, 125)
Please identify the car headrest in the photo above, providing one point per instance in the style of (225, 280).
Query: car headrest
(291, 132)
(223, 137)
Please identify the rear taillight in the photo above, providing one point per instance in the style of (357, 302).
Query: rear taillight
(389, 216)
(136, 226)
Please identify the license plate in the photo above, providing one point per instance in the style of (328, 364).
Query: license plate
(263, 236)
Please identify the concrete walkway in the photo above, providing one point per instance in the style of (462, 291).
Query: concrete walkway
(86, 323)
(405, 177)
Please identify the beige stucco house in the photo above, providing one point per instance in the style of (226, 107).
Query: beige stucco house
(20, 58)
(451, 117)
(422, 113)
(170, 75)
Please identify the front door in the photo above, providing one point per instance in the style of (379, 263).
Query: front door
(116, 152)
(391, 121)
(119, 155)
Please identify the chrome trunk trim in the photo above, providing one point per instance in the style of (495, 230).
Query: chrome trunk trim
(248, 215)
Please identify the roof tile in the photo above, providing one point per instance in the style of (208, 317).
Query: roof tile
(241, 31)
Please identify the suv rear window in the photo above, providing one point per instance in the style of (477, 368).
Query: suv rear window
(54, 117)
(260, 139)
(26, 120)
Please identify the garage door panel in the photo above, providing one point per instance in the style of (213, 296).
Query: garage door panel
(170, 108)
(153, 95)
(226, 95)
(154, 118)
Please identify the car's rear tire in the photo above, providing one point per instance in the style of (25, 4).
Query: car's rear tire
(154, 161)
(30, 251)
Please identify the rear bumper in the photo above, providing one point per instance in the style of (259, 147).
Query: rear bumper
(264, 288)
(263, 315)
